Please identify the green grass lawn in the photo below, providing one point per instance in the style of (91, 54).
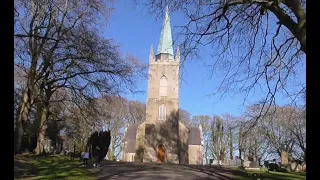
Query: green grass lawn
(262, 175)
(49, 167)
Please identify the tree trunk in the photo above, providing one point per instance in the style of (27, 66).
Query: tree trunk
(245, 155)
(22, 118)
(298, 29)
(231, 145)
(206, 152)
(111, 154)
(25, 104)
(42, 130)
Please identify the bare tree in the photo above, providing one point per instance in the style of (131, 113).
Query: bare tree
(79, 121)
(113, 115)
(99, 70)
(66, 52)
(219, 137)
(41, 26)
(285, 130)
(240, 137)
(19, 86)
(297, 125)
(204, 121)
(185, 117)
(230, 126)
(136, 112)
(281, 129)
(256, 44)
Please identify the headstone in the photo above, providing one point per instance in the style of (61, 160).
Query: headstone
(226, 162)
(284, 158)
(215, 162)
(299, 169)
(238, 162)
(254, 164)
(296, 167)
(293, 166)
(235, 162)
(232, 163)
(304, 167)
(246, 163)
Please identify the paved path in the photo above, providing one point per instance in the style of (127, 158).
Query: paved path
(146, 171)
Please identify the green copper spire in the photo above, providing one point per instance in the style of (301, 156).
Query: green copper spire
(165, 44)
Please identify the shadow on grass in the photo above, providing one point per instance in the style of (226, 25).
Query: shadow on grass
(273, 176)
(49, 167)
(23, 167)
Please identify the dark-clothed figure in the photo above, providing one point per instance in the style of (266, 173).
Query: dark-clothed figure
(97, 156)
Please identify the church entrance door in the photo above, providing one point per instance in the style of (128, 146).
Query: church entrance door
(161, 153)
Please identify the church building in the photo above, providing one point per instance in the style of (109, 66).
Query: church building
(162, 137)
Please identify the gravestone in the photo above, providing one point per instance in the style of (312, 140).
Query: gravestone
(293, 166)
(254, 164)
(284, 158)
(232, 162)
(235, 162)
(304, 167)
(296, 167)
(238, 162)
(215, 162)
(246, 164)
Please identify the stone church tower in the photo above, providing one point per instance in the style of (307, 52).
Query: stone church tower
(162, 138)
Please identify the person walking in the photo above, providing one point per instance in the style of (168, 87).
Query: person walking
(97, 156)
(85, 158)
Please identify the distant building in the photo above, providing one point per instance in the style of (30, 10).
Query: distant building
(162, 137)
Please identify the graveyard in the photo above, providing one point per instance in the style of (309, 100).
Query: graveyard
(30, 167)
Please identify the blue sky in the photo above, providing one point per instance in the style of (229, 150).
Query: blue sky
(135, 30)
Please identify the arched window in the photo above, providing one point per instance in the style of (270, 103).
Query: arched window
(162, 112)
(163, 86)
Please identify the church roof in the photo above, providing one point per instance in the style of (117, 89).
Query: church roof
(131, 132)
(130, 138)
(194, 136)
(165, 43)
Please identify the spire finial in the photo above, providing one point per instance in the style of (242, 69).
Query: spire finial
(165, 44)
